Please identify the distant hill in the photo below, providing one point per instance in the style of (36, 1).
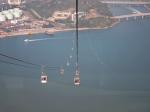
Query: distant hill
(47, 7)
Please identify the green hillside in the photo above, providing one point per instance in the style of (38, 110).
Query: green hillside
(47, 7)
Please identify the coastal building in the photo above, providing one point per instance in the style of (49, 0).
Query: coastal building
(16, 13)
(80, 14)
(2, 18)
(14, 2)
(11, 14)
(5, 12)
(61, 15)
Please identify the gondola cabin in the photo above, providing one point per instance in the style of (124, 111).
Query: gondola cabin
(62, 71)
(44, 78)
(77, 81)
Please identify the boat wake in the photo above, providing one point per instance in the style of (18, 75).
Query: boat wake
(34, 40)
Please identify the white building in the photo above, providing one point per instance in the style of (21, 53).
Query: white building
(14, 2)
(80, 14)
(61, 15)
(2, 18)
(10, 14)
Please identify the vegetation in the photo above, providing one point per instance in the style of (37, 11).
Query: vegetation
(47, 8)
(98, 22)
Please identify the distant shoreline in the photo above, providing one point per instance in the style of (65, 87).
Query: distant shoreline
(96, 28)
(50, 30)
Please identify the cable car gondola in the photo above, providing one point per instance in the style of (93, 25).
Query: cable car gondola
(44, 78)
(62, 71)
(77, 73)
(77, 78)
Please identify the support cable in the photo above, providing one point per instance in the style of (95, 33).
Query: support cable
(77, 36)
(25, 62)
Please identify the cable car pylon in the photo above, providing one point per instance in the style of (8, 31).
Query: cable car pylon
(77, 72)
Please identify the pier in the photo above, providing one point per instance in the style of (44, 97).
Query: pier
(131, 16)
(125, 2)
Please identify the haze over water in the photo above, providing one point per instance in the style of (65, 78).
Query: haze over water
(114, 66)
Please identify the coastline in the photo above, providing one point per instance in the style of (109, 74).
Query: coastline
(50, 30)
